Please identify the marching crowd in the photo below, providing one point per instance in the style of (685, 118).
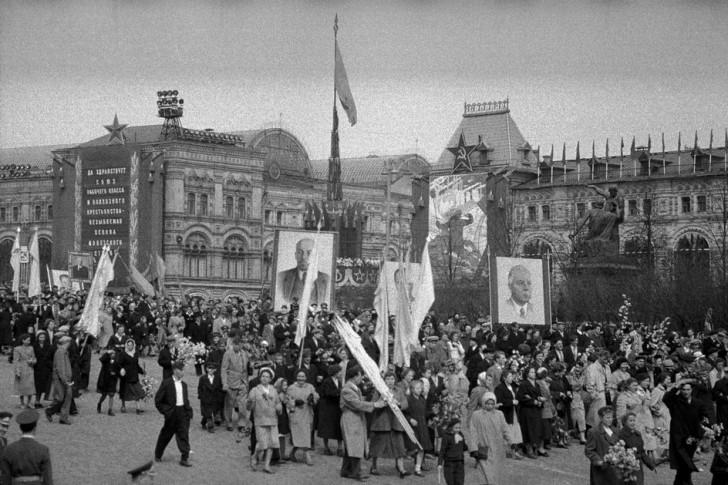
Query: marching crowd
(493, 393)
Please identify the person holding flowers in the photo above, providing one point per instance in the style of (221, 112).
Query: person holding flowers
(598, 442)
(632, 438)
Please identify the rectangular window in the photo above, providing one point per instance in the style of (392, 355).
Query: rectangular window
(269, 217)
(241, 208)
(50, 212)
(3, 214)
(647, 207)
(702, 203)
(37, 213)
(580, 209)
(546, 212)
(16, 214)
(191, 204)
(633, 208)
(279, 218)
(685, 204)
(203, 204)
(532, 213)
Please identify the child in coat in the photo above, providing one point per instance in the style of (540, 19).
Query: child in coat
(209, 390)
(451, 461)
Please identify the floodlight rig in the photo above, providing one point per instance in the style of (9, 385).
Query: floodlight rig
(170, 107)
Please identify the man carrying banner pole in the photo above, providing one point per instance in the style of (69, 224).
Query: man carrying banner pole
(308, 284)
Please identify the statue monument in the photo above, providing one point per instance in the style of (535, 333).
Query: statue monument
(602, 223)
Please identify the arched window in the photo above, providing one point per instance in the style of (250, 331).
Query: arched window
(242, 214)
(234, 263)
(229, 208)
(196, 252)
(203, 205)
(45, 250)
(538, 248)
(37, 213)
(692, 256)
(6, 271)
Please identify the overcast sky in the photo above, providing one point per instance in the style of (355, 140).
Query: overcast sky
(573, 69)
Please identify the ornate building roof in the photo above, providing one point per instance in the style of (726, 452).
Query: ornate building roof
(490, 137)
(36, 156)
(372, 170)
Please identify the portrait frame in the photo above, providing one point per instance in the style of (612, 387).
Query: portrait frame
(538, 306)
(284, 259)
(87, 259)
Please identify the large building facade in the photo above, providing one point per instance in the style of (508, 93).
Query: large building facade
(209, 203)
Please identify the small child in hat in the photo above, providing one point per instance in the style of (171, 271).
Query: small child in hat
(210, 393)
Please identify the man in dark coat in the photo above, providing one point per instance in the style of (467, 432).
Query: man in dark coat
(686, 431)
(173, 402)
(167, 356)
(26, 460)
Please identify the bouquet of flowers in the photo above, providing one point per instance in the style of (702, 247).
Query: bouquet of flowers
(189, 352)
(624, 460)
(447, 407)
(149, 385)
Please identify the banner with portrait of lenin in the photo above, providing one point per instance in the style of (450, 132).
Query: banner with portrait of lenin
(520, 291)
(293, 256)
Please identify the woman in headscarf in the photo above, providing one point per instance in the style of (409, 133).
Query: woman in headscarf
(129, 370)
(505, 394)
(284, 425)
(43, 369)
(302, 399)
(265, 405)
(329, 412)
(490, 439)
(23, 362)
(387, 434)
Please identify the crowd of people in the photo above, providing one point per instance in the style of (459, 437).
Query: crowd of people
(497, 393)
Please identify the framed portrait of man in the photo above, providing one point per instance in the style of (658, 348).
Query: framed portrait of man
(520, 291)
(80, 266)
(292, 259)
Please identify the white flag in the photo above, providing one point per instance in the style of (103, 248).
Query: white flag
(34, 280)
(94, 302)
(381, 332)
(424, 293)
(311, 275)
(15, 263)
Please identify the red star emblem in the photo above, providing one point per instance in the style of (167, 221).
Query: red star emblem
(116, 130)
(462, 153)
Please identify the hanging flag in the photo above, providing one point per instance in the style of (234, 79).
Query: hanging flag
(15, 263)
(308, 284)
(578, 161)
(664, 163)
(381, 305)
(341, 81)
(334, 188)
(140, 281)
(158, 269)
(90, 320)
(679, 147)
(621, 156)
(353, 342)
(424, 293)
(710, 152)
(34, 288)
(606, 164)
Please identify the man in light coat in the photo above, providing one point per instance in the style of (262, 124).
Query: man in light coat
(234, 374)
(62, 383)
(597, 375)
(354, 423)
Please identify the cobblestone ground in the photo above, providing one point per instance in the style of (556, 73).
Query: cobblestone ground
(99, 449)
